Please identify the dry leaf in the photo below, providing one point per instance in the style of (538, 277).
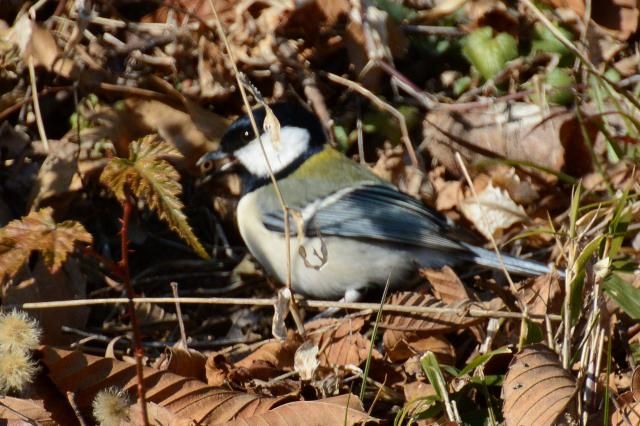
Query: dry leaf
(37, 42)
(55, 175)
(187, 363)
(446, 285)
(193, 131)
(342, 343)
(338, 410)
(635, 383)
(305, 361)
(439, 322)
(542, 294)
(619, 17)
(41, 285)
(449, 195)
(629, 411)
(38, 231)
(536, 389)
(402, 345)
(492, 211)
(86, 375)
(16, 411)
(517, 131)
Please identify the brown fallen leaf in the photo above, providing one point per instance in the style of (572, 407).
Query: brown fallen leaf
(39, 284)
(492, 212)
(38, 43)
(635, 383)
(440, 322)
(337, 410)
(517, 131)
(537, 390)
(402, 345)
(628, 411)
(38, 231)
(55, 176)
(193, 131)
(446, 285)
(85, 375)
(184, 362)
(619, 17)
(341, 343)
(542, 294)
(18, 411)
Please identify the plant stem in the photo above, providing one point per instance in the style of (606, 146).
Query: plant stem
(138, 351)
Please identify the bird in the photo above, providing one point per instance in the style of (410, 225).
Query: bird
(349, 230)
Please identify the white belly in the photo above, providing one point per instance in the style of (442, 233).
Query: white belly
(349, 263)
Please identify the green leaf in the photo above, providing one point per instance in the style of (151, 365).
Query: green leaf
(560, 82)
(152, 179)
(489, 53)
(576, 299)
(432, 370)
(482, 359)
(624, 294)
(545, 41)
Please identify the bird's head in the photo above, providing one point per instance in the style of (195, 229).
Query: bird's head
(301, 135)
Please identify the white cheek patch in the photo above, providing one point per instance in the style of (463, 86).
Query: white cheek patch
(294, 142)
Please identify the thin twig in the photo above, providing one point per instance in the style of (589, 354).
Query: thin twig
(183, 333)
(316, 304)
(257, 133)
(138, 350)
(36, 105)
(383, 106)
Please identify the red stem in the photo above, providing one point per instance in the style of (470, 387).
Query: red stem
(137, 340)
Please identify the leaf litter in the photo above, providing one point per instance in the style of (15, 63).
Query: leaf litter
(130, 97)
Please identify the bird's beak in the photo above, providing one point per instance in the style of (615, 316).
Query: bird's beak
(215, 163)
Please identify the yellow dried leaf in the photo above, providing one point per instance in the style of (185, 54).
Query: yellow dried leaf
(152, 179)
(38, 231)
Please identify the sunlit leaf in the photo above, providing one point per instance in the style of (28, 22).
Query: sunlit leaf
(38, 231)
(624, 294)
(149, 177)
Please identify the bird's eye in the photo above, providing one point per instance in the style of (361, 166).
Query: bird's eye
(206, 166)
(246, 135)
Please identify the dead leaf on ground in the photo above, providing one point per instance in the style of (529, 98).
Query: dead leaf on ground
(635, 383)
(446, 285)
(20, 411)
(337, 410)
(619, 17)
(517, 131)
(37, 42)
(341, 343)
(402, 345)
(628, 411)
(55, 177)
(41, 285)
(542, 294)
(184, 362)
(492, 212)
(85, 375)
(192, 131)
(577, 6)
(449, 195)
(537, 390)
(438, 322)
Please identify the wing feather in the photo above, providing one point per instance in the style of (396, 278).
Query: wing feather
(373, 211)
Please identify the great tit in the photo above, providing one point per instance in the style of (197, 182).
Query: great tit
(349, 229)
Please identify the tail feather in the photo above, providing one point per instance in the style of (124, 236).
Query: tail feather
(512, 264)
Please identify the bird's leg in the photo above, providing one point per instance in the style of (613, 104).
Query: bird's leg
(350, 296)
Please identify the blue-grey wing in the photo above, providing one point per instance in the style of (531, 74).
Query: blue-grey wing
(374, 211)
